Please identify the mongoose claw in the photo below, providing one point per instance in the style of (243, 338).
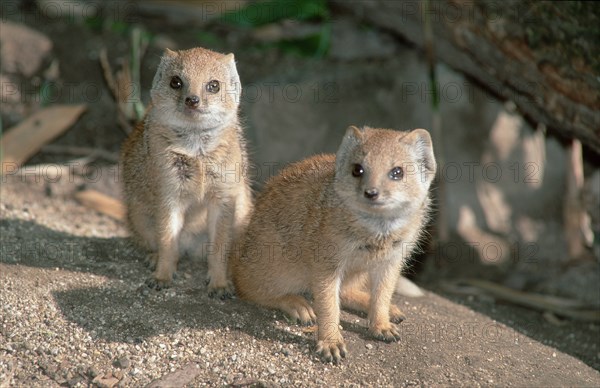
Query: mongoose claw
(331, 351)
(308, 323)
(299, 310)
(156, 284)
(304, 316)
(299, 321)
(221, 292)
(386, 334)
(396, 315)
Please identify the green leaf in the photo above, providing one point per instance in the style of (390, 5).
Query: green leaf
(266, 12)
(209, 39)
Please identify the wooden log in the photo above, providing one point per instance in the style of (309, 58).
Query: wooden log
(26, 138)
(544, 56)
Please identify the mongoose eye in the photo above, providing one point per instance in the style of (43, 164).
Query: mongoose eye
(396, 173)
(213, 86)
(176, 82)
(357, 170)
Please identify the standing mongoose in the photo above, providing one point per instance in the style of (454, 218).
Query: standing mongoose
(184, 166)
(339, 227)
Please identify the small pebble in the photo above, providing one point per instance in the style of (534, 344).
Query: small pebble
(122, 362)
(93, 371)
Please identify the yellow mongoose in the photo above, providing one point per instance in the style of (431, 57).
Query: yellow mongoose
(340, 227)
(184, 166)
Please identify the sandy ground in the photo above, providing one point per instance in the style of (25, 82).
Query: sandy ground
(75, 312)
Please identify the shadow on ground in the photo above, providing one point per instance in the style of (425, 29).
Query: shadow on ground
(122, 309)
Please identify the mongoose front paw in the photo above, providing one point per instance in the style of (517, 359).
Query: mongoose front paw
(396, 315)
(220, 292)
(157, 284)
(388, 333)
(331, 350)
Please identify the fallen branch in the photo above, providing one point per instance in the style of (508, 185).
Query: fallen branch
(560, 306)
(102, 203)
(26, 138)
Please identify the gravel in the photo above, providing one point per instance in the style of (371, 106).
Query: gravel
(74, 312)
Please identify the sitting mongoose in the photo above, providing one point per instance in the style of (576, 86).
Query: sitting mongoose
(184, 166)
(339, 227)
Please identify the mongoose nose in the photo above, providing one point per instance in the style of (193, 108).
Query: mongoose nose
(371, 193)
(192, 101)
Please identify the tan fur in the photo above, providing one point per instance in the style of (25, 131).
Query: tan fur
(184, 167)
(313, 230)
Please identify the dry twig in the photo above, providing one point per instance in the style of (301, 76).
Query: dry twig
(102, 203)
(81, 151)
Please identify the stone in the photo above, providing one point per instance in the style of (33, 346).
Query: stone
(22, 49)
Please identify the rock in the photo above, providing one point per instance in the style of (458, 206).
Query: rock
(230, 378)
(122, 362)
(180, 377)
(105, 381)
(48, 366)
(75, 381)
(93, 372)
(22, 49)
(28, 346)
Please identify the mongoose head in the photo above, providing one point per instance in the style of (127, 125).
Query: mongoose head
(196, 89)
(384, 173)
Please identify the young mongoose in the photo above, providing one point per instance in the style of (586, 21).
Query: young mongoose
(339, 227)
(184, 166)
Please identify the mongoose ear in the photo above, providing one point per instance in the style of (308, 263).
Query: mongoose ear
(228, 58)
(170, 53)
(229, 61)
(423, 146)
(352, 138)
(166, 59)
(165, 63)
(354, 132)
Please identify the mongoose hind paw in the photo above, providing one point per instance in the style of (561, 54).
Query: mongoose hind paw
(298, 309)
